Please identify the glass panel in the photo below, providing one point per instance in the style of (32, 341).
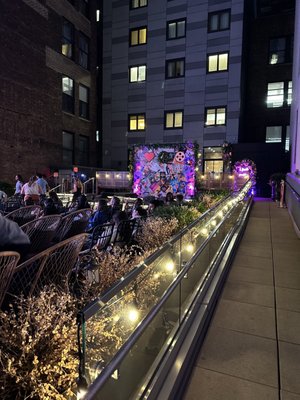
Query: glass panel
(141, 122)
(275, 94)
(213, 22)
(142, 36)
(210, 117)
(172, 30)
(287, 138)
(83, 94)
(224, 20)
(221, 116)
(277, 51)
(67, 85)
(273, 134)
(134, 3)
(142, 73)
(134, 38)
(143, 3)
(211, 153)
(223, 62)
(133, 123)
(290, 93)
(179, 68)
(171, 70)
(178, 120)
(169, 120)
(212, 63)
(180, 29)
(133, 74)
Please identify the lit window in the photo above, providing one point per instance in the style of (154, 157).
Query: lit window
(67, 94)
(217, 62)
(279, 94)
(175, 68)
(83, 55)
(281, 50)
(215, 116)
(137, 74)
(273, 134)
(137, 122)
(67, 39)
(138, 3)
(176, 29)
(287, 138)
(83, 102)
(219, 21)
(173, 119)
(138, 36)
(98, 14)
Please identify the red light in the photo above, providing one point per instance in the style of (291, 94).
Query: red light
(75, 169)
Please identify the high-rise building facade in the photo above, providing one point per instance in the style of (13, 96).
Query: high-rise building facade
(48, 87)
(171, 74)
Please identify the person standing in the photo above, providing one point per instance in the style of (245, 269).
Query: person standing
(77, 188)
(31, 191)
(19, 184)
(43, 183)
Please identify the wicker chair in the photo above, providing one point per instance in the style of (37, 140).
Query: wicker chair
(124, 234)
(52, 266)
(41, 232)
(102, 235)
(73, 224)
(12, 204)
(8, 263)
(24, 214)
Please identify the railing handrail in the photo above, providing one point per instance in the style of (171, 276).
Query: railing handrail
(136, 334)
(55, 187)
(292, 188)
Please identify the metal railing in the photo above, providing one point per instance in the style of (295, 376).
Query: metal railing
(292, 199)
(140, 317)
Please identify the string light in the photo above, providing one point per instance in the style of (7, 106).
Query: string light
(170, 266)
(133, 315)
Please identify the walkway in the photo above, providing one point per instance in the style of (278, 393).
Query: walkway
(252, 348)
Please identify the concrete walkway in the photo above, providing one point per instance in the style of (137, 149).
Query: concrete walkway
(252, 348)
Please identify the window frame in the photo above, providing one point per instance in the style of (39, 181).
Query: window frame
(288, 51)
(173, 112)
(83, 160)
(174, 60)
(218, 62)
(139, 6)
(82, 51)
(67, 96)
(137, 66)
(273, 126)
(285, 103)
(67, 41)
(81, 102)
(66, 149)
(176, 22)
(138, 29)
(83, 7)
(218, 13)
(137, 124)
(214, 108)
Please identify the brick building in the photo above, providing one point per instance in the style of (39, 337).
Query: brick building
(48, 101)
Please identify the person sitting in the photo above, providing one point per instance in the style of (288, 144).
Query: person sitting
(79, 204)
(101, 216)
(179, 199)
(57, 202)
(49, 207)
(139, 212)
(115, 206)
(118, 217)
(12, 237)
(153, 205)
(169, 200)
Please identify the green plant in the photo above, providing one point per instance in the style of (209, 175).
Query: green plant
(184, 215)
(7, 188)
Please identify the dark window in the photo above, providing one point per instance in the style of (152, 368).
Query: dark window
(137, 73)
(269, 7)
(138, 36)
(219, 21)
(68, 94)
(136, 122)
(281, 50)
(68, 148)
(279, 94)
(175, 68)
(138, 3)
(84, 102)
(174, 119)
(215, 116)
(217, 62)
(176, 29)
(83, 150)
(83, 56)
(67, 39)
(83, 7)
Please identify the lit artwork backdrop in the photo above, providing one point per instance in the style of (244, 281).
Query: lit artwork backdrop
(159, 169)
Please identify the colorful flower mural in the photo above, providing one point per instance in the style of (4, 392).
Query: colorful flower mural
(159, 169)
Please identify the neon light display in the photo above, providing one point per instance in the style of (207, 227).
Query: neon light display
(159, 169)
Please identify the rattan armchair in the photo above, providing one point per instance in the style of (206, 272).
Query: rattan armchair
(124, 233)
(8, 263)
(102, 235)
(73, 224)
(24, 214)
(52, 266)
(41, 232)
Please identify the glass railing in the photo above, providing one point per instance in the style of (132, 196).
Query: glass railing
(125, 334)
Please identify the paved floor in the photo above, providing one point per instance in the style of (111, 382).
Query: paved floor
(252, 348)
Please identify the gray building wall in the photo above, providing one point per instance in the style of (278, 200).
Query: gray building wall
(191, 93)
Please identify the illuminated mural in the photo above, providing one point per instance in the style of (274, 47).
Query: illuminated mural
(159, 169)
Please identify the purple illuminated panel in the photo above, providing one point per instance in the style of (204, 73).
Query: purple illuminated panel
(162, 169)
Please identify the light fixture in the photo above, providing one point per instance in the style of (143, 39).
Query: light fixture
(190, 248)
(213, 222)
(170, 266)
(133, 315)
